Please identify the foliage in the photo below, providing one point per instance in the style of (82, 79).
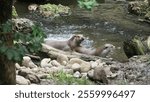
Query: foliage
(63, 78)
(14, 12)
(87, 4)
(32, 42)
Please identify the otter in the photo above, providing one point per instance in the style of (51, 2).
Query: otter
(67, 45)
(101, 51)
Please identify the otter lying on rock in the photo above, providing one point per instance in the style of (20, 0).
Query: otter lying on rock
(66, 45)
(102, 51)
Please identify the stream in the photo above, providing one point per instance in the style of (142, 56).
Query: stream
(107, 23)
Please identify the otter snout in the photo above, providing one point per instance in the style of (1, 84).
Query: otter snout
(82, 38)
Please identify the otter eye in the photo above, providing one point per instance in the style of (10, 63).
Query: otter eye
(106, 47)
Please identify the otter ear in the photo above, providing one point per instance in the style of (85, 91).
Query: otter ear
(73, 37)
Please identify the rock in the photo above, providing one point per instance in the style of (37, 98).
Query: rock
(55, 69)
(137, 7)
(62, 59)
(55, 63)
(90, 74)
(120, 1)
(27, 62)
(52, 10)
(85, 66)
(25, 72)
(100, 75)
(48, 82)
(18, 67)
(109, 73)
(93, 64)
(32, 7)
(76, 67)
(46, 63)
(35, 70)
(131, 77)
(33, 78)
(68, 71)
(28, 74)
(100, 63)
(147, 16)
(84, 75)
(22, 25)
(77, 74)
(42, 76)
(22, 81)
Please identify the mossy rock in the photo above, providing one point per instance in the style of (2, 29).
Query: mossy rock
(52, 10)
(138, 7)
(134, 46)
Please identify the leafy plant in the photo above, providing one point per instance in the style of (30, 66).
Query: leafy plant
(23, 43)
(87, 4)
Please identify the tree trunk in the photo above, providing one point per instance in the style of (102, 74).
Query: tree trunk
(7, 67)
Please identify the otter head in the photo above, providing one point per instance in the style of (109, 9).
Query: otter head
(75, 41)
(78, 39)
(108, 48)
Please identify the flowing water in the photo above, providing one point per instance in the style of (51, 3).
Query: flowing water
(105, 24)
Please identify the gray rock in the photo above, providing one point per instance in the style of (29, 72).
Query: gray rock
(84, 75)
(22, 25)
(68, 71)
(62, 59)
(76, 67)
(55, 63)
(33, 78)
(100, 75)
(77, 74)
(22, 81)
(25, 72)
(93, 64)
(90, 74)
(27, 62)
(28, 74)
(42, 76)
(85, 66)
(46, 63)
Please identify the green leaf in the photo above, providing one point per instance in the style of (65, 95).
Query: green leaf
(3, 48)
(9, 53)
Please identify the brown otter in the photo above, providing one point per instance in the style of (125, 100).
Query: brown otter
(101, 51)
(66, 45)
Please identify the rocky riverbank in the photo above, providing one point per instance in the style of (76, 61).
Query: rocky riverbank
(59, 67)
(100, 71)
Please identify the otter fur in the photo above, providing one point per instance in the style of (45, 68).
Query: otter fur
(66, 45)
(101, 51)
